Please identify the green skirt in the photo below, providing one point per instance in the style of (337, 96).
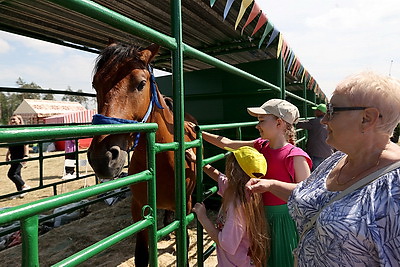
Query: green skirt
(284, 236)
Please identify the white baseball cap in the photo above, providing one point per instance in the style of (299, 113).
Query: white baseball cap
(278, 107)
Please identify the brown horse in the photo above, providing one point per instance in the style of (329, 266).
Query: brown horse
(126, 92)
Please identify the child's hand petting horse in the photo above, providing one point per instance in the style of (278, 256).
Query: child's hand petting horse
(190, 155)
(192, 125)
(200, 210)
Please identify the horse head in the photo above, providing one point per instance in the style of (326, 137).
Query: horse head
(123, 83)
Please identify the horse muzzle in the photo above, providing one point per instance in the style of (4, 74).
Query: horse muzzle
(107, 164)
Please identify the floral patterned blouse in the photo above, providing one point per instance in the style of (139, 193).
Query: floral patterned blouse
(360, 229)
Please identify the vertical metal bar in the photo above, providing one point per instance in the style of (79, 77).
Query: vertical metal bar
(304, 102)
(199, 194)
(239, 133)
(152, 195)
(76, 152)
(314, 97)
(30, 241)
(178, 94)
(40, 146)
(281, 77)
(282, 71)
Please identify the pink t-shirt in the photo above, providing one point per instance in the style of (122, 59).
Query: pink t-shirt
(233, 239)
(280, 166)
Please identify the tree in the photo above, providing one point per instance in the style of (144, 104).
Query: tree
(10, 101)
(48, 96)
(75, 98)
(32, 85)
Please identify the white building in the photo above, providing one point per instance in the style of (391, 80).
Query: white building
(33, 111)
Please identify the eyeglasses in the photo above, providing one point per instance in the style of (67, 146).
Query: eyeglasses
(330, 110)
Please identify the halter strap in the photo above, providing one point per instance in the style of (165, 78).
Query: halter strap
(101, 119)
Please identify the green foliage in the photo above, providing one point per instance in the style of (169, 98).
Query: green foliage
(32, 85)
(10, 101)
(48, 97)
(76, 98)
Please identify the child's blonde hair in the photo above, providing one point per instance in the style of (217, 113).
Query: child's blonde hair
(290, 133)
(256, 225)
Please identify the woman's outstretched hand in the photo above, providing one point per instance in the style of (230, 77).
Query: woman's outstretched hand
(255, 185)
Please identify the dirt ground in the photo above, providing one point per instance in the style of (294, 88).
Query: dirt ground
(102, 220)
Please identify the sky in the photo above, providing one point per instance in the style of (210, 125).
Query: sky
(332, 39)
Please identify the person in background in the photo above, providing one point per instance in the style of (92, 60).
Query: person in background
(396, 133)
(16, 152)
(316, 146)
(240, 231)
(287, 165)
(348, 209)
(70, 147)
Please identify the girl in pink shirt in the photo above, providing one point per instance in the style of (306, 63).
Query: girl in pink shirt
(287, 165)
(240, 230)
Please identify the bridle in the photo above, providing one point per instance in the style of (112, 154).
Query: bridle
(101, 119)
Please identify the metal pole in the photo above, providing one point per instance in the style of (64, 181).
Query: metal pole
(282, 70)
(200, 197)
(40, 147)
(152, 195)
(281, 77)
(178, 94)
(30, 237)
(304, 102)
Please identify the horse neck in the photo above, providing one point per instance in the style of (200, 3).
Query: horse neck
(165, 120)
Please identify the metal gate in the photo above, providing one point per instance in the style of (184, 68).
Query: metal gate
(28, 214)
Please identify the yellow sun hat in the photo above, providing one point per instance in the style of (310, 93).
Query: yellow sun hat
(250, 160)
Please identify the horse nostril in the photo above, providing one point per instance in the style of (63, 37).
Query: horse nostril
(115, 151)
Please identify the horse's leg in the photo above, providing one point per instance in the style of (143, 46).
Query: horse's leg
(169, 217)
(142, 239)
(142, 249)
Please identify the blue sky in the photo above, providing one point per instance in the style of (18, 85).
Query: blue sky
(332, 38)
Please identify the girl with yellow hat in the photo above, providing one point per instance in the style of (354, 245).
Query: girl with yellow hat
(240, 231)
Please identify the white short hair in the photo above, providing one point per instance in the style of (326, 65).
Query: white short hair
(370, 89)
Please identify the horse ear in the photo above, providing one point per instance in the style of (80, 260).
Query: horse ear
(149, 53)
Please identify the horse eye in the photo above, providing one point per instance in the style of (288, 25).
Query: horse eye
(141, 85)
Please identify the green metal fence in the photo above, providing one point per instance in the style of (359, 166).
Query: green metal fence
(41, 144)
(28, 213)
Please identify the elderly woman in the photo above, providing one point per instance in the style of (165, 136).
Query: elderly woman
(362, 227)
